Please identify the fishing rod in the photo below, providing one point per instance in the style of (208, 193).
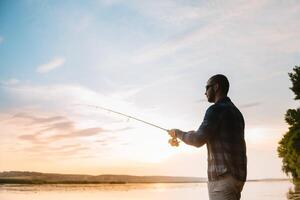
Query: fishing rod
(173, 141)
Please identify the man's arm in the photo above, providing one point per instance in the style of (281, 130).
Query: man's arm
(201, 136)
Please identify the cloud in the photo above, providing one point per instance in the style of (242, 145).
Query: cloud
(49, 132)
(88, 132)
(38, 120)
(29, 137)
(170, 12)
(11, 81)
(53, 135)
(180, 41)
(71, 152)
(67, 146)
(72, 99)
(51, 65)
(68, 95)
(167, 12)
(227, 30)
(102, 142)
(64, 125)
(77, 133)
(58, 148)
(56, 119)
(60, 151)
(249, 105)
(123, 129)
(110, 2)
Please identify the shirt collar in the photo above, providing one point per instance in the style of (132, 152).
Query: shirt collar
(223, 100)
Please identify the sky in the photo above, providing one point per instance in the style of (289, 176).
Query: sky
(148, 59)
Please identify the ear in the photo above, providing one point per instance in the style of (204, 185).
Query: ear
(216, 87)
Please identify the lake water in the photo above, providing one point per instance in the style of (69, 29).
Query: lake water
(276, 190)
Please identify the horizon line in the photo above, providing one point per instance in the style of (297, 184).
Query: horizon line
(252, 179)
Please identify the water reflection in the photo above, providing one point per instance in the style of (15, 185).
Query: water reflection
(95, 187)
(262, 190)
(294, 193)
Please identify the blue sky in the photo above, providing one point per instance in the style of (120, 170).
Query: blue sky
(150, 59)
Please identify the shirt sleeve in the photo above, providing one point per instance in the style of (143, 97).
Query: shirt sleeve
(206, 130)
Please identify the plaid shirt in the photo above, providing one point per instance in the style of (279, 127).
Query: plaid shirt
(222, 130)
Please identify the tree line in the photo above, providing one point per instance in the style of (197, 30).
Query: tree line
(289, 145)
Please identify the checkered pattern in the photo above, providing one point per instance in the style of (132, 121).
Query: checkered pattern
(222, 130)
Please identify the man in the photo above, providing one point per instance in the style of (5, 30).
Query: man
(222, 130)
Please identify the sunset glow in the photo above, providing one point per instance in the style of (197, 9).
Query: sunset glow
(148, 59)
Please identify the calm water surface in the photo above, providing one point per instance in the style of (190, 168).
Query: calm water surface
(276, 190)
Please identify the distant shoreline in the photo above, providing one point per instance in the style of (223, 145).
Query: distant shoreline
(37, 178)
(42, 182)
(39, 182)
(24, 177)
(269, 180)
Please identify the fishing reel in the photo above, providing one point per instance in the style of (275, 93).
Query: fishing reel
(174, 142)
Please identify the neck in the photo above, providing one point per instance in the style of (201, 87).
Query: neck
(219, 97)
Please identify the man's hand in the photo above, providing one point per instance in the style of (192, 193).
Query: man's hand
(173, 132)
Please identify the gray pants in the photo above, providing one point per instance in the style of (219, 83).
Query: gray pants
(226, 188)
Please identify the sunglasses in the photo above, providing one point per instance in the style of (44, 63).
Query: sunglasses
(208, 86)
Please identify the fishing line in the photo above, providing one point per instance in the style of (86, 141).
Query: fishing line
(173, 141)
(119, 113)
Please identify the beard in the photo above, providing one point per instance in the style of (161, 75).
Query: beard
(211, 97)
